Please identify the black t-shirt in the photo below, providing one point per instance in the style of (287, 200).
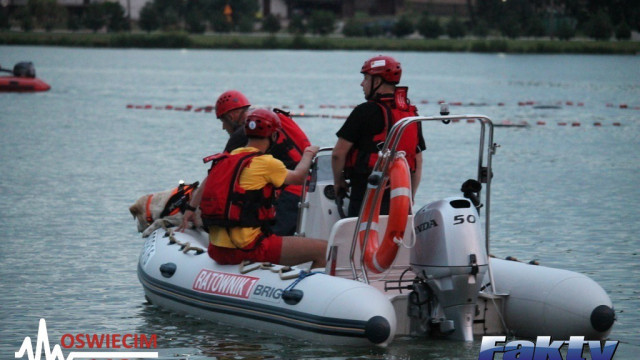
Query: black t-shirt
(365, 121)
(237, 140)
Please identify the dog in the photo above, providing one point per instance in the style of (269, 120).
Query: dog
(163, 209)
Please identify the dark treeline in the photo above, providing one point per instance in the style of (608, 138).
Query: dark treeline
(561, 19)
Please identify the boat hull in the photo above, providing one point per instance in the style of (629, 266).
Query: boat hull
(552, 302)
(22, 84)
(318, 308)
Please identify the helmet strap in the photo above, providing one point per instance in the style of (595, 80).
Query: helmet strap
(373, 90)
(272, 141)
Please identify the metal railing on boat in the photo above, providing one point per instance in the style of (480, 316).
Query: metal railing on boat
(388, 153)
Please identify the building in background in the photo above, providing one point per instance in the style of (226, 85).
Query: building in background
(283, 9)
(348, 8)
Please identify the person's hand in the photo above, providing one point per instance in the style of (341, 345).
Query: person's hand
(313, 149)
(340, 188)
(189, 216)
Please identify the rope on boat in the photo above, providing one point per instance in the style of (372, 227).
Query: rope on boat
(285, 272)
(302, 275)
(184, 247)
(244, 266)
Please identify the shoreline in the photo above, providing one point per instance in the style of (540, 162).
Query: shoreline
(182, 40)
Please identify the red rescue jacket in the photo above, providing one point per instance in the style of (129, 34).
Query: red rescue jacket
(290, 146)
(394, 108)
(225, 203)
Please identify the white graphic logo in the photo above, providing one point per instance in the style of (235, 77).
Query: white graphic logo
(42, 343)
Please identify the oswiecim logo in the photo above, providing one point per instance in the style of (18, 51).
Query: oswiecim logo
(88, 341)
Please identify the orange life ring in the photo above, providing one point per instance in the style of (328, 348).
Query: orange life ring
(378, 256)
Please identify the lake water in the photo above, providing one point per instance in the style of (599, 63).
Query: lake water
(75, 158)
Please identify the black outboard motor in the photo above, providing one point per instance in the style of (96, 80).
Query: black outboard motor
(24, 69)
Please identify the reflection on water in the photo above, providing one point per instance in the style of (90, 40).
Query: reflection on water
(75, 158)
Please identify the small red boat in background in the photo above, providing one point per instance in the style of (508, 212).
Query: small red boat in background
(23, 79)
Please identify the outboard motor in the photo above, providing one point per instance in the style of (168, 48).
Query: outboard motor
(450, 261)
(24, 69)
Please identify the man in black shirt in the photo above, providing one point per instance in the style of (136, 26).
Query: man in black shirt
(366, 128)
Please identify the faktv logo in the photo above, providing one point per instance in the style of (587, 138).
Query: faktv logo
(91, 342)
(545, 349)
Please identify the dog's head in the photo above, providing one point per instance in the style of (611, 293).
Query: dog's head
(138, 212)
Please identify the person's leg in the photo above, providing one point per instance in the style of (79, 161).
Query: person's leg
(297, 250)
(286, 214)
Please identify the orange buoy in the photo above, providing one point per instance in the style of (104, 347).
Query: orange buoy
(378, 256)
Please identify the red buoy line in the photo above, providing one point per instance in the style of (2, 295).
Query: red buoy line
(534, 104)
(505, 123)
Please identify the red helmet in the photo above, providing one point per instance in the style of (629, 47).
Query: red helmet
(384, 66)
(261, 123)
(230, 100)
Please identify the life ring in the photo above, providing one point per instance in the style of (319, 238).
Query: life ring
(378, 256)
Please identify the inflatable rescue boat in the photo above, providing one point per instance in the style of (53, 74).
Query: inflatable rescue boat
(23, 79)
(426, 275)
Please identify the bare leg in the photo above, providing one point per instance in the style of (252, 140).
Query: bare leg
(298, 250)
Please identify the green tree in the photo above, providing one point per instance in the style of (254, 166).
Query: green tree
(271, 24)
(195, 22)
(73, 22)
(48, 13)
(148, 18)
(240, 10)
(481, 29)
(4, 19)
(25, 19)
(599, 26)
(429, 27)
(353, 28)
(404, 27)
(220, 24)
(245, 24)
(535, 27)
(373, 29)
(322, 22)
(297, 25)
(94, 17)
(511, 27)
(565, 29)
(623, 32)
(170, 13)
(115, 17)
(455, 28)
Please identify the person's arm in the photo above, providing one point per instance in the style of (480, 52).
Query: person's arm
(189, 215)
(299, 174)
(338, 159)
(416, 176)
